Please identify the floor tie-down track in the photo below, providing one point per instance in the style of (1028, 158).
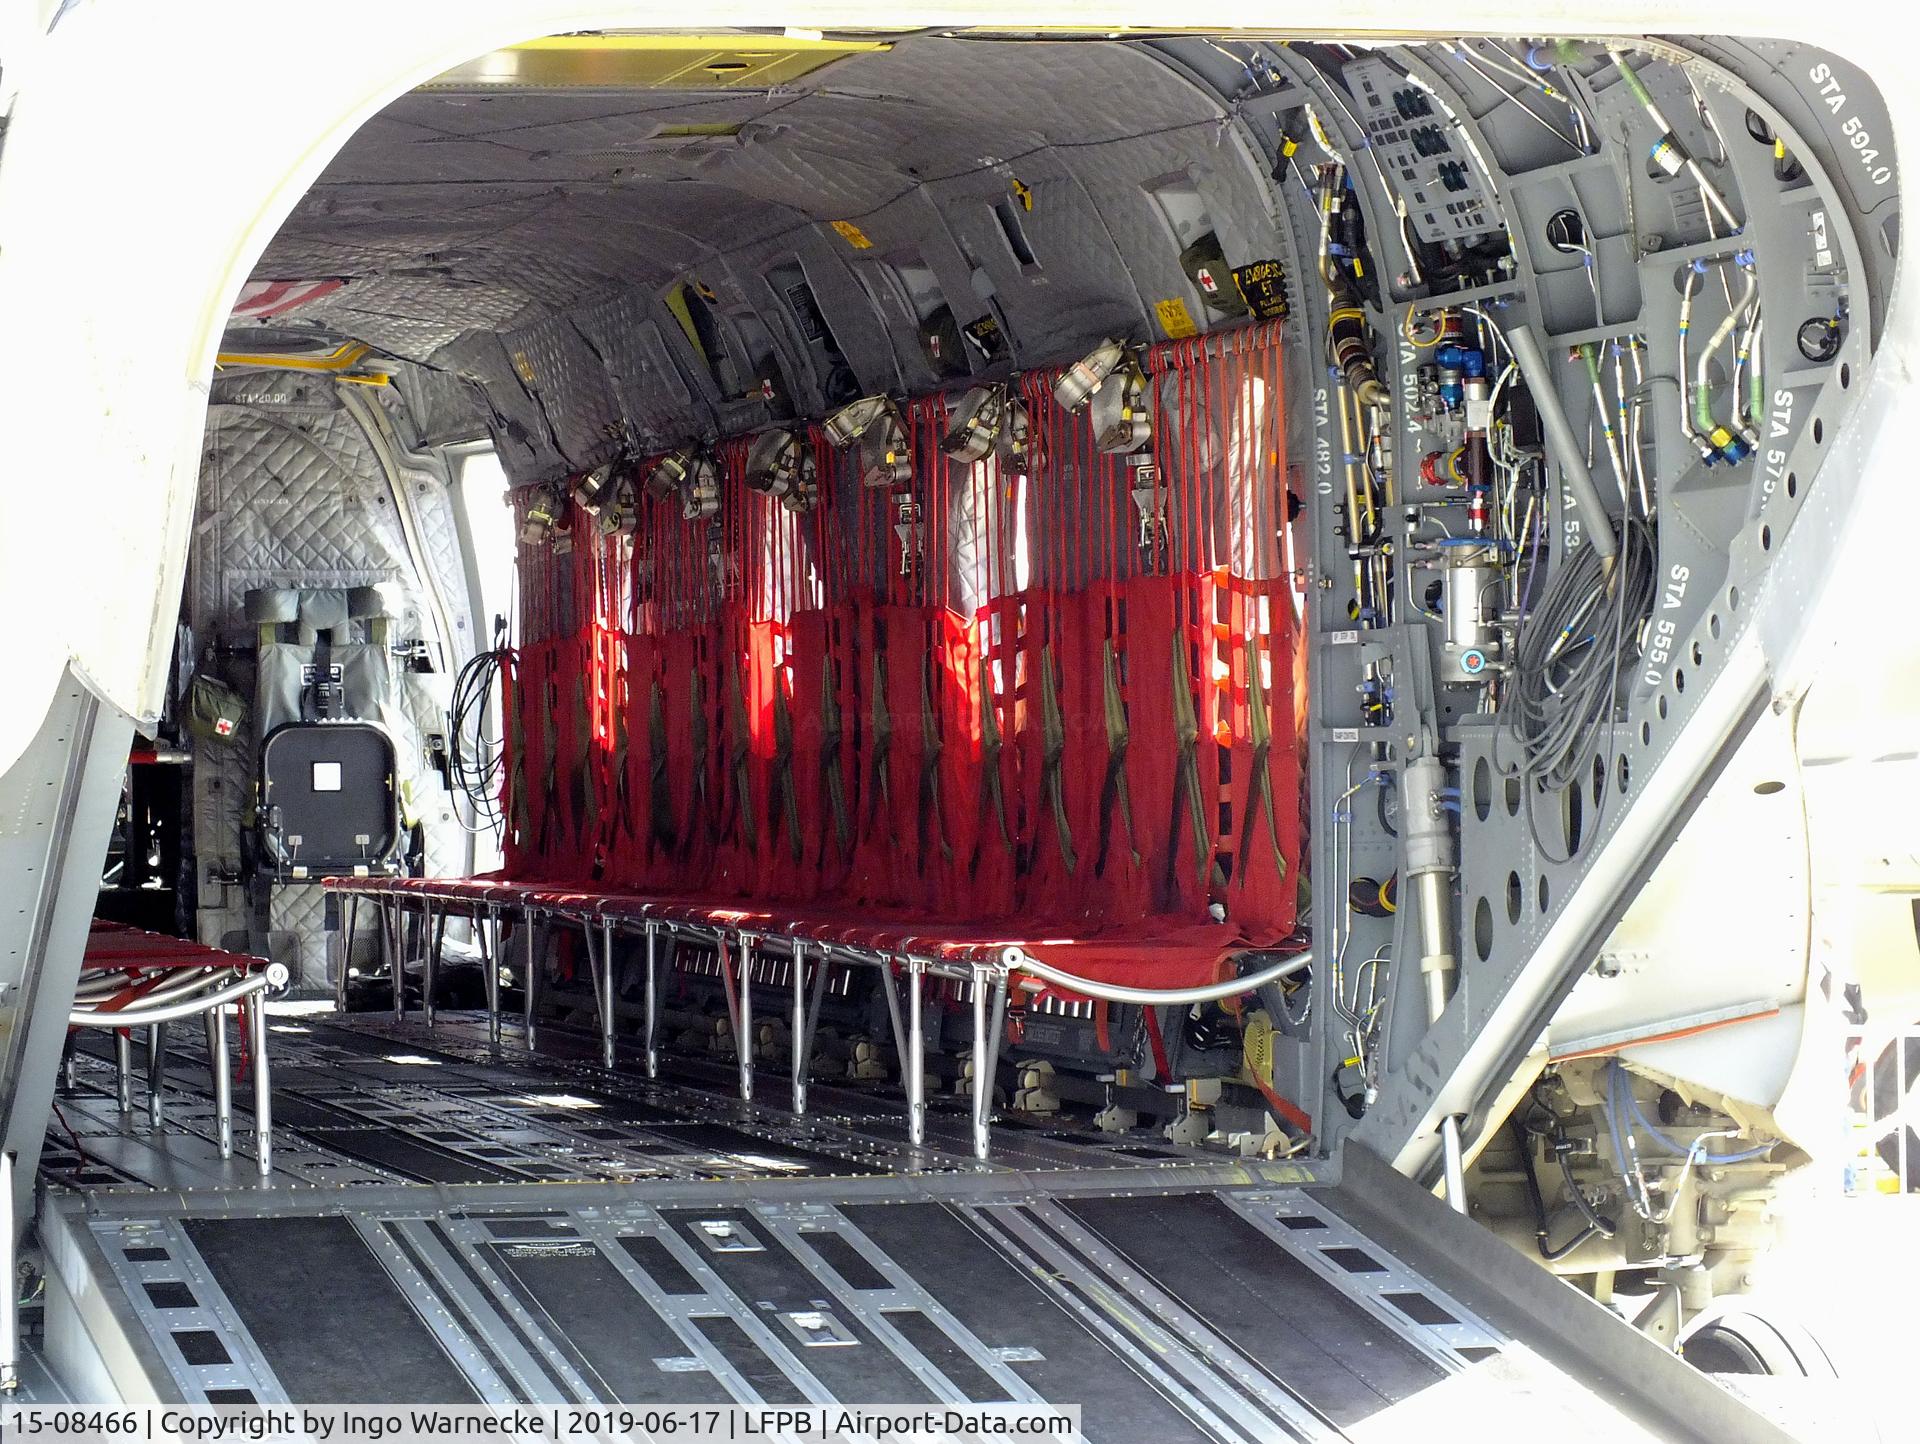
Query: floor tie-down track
(705, 1251)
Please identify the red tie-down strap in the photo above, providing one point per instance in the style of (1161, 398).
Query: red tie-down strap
(738, 812)
(1263, 843)
(640, 843)
(987, 871)
(680, 693)
(899, 823)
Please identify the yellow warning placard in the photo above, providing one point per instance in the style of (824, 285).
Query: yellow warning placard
(1175, 319)
(853, 235)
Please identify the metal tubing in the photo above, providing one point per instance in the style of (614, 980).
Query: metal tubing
(489, 941)
(123, 1066)
(802, 1044)
(346, 952)
(262, 1086)
(216, 1020)
(653, 1000)
(397, 943)
(434, 930)
(914, 1065)
(606, 1002)
(172, 1013)
(1018, 960)
(743, 1045)
(987, 1025)
(1561, 442)
(156, 1070)
(982, 1088)
(1452, 1161)
(527, 989)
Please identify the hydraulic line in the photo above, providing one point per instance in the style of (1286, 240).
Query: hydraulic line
(1590, 354)
(1666, 151)
(1721, 438)
(1560, 438)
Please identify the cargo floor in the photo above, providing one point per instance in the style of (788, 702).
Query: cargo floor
(448, 1221)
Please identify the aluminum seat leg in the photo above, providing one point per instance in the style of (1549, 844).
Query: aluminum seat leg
(156, 1071)
(988, 1024)
(216, 1020)
(653, 1001)
(530, 987)
(433, 927)
(488, 939)
(914, 1064)
(346, 952)
(262, 1085)
(123, 1064)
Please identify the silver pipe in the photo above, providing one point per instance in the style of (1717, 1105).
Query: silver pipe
(653, 1001)
(1018, 960)
(527, 989)
(914, 1064)
(1561, 441)
(802, 1044)
(216, 1020)
(156, 1071)
(346, 952)
(123, 1066)
(606, 1006)
(433, 932)
(490, 960)
(743, 1046)
(396, 919)
(1453, 1162)
(184, 980)
(262, 1087)
(172, 1013)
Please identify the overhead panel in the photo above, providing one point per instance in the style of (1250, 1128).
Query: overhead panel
(604, 61)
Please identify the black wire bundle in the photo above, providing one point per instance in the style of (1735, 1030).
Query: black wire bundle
(478, 760)
(1570, 654)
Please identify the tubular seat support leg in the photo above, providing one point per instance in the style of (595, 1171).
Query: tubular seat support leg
(262, 1084)
(156, 1071)
(653, 1000)
(528, 986)
(486, 937)
(216, 1020)
(347, 932)
(989, 1020)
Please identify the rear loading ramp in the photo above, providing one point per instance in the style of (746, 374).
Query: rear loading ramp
(1222, 1303)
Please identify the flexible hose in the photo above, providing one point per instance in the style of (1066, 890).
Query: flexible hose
(1018, 960)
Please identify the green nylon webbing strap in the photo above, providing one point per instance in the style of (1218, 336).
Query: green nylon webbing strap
(659, 793)
(586, 823)
(1053, 737)
(992, 795)
(784, 797)
(739, 749)
(931, 746)
(698, 808)
(1186, 732)
(879, 788)
(1114, 791)
(830, 769)
(622, 808)
(550, 772)
(1260, 731)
